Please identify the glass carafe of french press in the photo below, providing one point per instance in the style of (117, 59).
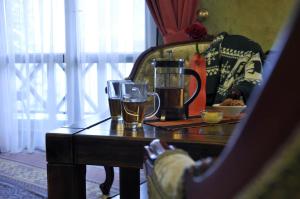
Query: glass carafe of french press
(169, 84)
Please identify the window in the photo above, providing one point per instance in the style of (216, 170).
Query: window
(56, 58)
(108, 36)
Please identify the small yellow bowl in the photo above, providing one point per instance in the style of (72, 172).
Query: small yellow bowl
(212, 116)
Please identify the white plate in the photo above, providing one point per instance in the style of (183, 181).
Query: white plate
(229, 110)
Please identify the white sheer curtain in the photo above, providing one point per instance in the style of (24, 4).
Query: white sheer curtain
(29, 40)
(105, 37)
(55, 59)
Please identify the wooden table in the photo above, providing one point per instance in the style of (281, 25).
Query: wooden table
(106, 143)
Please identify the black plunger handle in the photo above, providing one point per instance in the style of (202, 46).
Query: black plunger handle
(189, 101)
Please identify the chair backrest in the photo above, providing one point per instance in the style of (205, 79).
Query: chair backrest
(273, 116)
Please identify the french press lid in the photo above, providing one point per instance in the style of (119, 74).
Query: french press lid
(168, 62)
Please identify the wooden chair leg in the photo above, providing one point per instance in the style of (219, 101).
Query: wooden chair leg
(109, 178)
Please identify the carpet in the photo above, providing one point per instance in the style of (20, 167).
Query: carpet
(24, 176)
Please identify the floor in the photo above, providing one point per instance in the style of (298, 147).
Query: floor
(38, 159)
(94, 173)
(143, 192)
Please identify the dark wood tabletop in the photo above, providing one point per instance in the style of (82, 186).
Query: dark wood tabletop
(107, 143)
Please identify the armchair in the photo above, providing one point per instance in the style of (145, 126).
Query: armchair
(261, 159)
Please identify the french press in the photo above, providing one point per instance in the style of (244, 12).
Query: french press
(169, 84)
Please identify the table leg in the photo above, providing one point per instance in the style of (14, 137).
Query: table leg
(109, 179)
(129, 183)
(66, 181)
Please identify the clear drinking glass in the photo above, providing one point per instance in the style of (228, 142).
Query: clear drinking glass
(134, 100)
(114, 98)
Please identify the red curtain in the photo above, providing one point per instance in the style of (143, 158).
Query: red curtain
(172, 17)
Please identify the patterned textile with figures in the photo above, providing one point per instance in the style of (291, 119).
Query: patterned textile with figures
(232, 62)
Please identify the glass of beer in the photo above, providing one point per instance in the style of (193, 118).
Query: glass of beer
(114, 98)
(134, 101)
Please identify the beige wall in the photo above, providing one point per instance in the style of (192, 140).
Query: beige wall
(259, 20)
